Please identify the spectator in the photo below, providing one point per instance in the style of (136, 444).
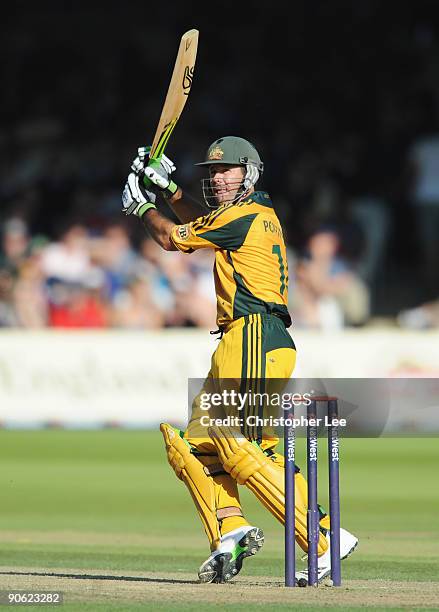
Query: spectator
(152, 266)
(14, 246)
(424, 316)
(327, 294)
(29, 295)
(113, 252)
(8, 316)
(196, 299)
(134, 308)
(79, 305)
(69, 259)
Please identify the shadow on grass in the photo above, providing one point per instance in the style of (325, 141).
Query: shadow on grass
(100, 577)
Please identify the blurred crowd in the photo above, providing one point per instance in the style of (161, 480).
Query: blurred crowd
(349, 133)
(87, 280)
(99, 279)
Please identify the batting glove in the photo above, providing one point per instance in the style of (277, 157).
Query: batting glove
(167, 164)
(156, 172)
(136, 198)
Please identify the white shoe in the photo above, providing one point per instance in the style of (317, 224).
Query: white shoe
(348, 543)
(226, 561)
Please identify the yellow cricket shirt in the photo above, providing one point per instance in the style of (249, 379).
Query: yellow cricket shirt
(251, 269)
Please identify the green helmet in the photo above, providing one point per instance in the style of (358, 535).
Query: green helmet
(236, 152)
(233, 150)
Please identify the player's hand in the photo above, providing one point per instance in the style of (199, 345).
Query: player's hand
(156, 172)
(166, 164)
(136, 198)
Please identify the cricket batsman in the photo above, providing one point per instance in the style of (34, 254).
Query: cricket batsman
(251, 282)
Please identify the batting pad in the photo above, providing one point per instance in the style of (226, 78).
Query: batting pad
(249, 466)
(201, 487)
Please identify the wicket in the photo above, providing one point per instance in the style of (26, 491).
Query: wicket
(313, 511)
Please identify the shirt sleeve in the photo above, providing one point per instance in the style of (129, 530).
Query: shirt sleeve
(224, 229)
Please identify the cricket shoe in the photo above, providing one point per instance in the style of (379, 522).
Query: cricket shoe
(226, 561)
(348, 543)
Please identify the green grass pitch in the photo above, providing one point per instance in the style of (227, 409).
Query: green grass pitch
(107, 502)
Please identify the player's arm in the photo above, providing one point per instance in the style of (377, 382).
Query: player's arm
(139, 201)
(185, 207)
(160, 228)
(217, 232)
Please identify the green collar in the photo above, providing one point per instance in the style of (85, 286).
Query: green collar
(260, 197)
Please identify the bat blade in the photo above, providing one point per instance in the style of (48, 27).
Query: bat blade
(178, 91)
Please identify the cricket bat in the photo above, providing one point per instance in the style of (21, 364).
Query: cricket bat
(178, 91)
